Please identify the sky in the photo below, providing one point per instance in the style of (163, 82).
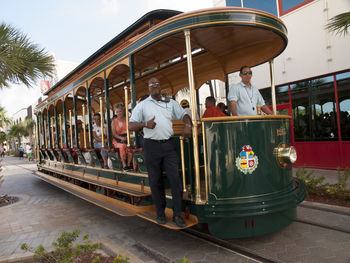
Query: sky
(72, 30)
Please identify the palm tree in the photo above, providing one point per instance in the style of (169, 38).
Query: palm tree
(29, 127)
(4, 120)
(18, 131)
(20, 60)
(339, 23)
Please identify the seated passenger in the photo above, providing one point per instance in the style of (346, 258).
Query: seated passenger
(97, 133)
(211, 110)
(221, 106)
(119, 136)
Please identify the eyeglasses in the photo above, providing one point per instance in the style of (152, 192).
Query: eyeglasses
(156, 84)
(247, 73)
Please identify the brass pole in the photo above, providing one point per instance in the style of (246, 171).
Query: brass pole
(127, 115)
(183, 164)
(61, 128)
(102, 122)
(193, 104)
(45, 127)
(273, 89)
(52, 133)
(70, 129)
(84, 130)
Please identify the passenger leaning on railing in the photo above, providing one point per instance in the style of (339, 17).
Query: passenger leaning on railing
(97, 133)
(118, 126)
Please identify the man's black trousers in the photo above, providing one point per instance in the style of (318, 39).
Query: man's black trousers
(159, 155)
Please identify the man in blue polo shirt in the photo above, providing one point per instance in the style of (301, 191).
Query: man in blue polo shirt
(244, 97)
(155, 116)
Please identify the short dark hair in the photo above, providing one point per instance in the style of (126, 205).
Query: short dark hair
(243, 67)
(211, 99)
(97, 114)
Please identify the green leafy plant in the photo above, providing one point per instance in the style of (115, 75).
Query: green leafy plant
(183, 260)
(120, 259)
(339, 189)
(64, 249)
(313, 182)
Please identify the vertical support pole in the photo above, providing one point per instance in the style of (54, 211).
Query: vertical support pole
(61, 131)
(194, 116)
(132, 81)
(127, 115)
(102, 123)
(52, 133)
(65, 123)
(227, 89)
(183, 167)
(75, 121)
(38, 136)
(43, 130)
(70, 129)
(273, 89)
(108, 121)
(56, 123)
(89, 115)
(133, 93)
(49, 125)
(84, 130)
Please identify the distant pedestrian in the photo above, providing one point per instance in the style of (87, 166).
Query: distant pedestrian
(2, 151)
(21, 151)
(29, 152)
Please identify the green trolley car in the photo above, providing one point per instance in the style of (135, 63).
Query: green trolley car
(236, 171)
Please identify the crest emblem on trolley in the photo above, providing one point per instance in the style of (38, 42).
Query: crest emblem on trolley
(247, 161)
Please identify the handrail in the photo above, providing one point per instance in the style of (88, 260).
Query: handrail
(246, 117)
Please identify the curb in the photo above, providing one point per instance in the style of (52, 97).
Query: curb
(325, 207)
(113, 249)
(26, 257)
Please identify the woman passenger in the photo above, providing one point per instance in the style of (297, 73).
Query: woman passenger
(119, 136)
(97, 133)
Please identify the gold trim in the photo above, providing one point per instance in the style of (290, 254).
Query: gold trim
(237, 122)
(70, 129)
(124, 61)
(245, 197)
(184, 28)
(193, 104)
(102, 123)
(183, 164)
(99, 169)
(246, 117)
(205, 163)
(127, 115)
(46, 146)
(84, 130)
(61, 128)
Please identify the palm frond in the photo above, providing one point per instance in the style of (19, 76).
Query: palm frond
(339, 24)
(20, 60)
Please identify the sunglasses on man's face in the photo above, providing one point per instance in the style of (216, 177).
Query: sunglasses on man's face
(247, 73)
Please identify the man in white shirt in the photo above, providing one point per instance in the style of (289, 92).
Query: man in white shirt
(155, 116)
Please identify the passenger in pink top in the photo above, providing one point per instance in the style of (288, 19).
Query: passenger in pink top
(119, 136)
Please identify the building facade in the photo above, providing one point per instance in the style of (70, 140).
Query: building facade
(312, 77)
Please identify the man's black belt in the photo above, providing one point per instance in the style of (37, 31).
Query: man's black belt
(161, 141)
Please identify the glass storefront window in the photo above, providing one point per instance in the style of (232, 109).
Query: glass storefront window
(281, 95)
(314, 110)
(343, 87)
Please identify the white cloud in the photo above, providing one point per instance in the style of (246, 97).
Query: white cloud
(109, 7)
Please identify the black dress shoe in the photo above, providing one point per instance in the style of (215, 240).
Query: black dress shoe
(179, 221)
(161, 220)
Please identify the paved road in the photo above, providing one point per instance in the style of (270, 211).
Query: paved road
(45, 211)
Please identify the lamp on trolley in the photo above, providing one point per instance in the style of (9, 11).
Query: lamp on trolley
(286, 155)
